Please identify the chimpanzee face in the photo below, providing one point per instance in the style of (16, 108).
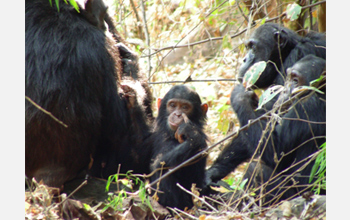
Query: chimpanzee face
(175, 109)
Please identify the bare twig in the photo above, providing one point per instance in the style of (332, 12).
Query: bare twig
(194, 80)
(72, 193)
(148, 41)
(299, 119)
(185, 213)
(46, 112)
(220, 203)
(199, 198)
(138, 18)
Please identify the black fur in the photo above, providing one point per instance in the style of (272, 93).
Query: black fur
(281, 46)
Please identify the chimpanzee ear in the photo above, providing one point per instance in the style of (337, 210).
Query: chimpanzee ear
(159, 102)
(204, 108)
(281, 37)
(96, 12)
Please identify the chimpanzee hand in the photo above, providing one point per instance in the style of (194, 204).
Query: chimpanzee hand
(241, 97)
(129, 94)
(186, 131)
(129, 60)
(125, 52)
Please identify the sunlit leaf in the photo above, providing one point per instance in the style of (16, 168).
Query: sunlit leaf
(253, 74)
(241, 186)
(86, 206)
(320, 163)
(269, 94)
(74, 4)
(313, 82)
(241, 47)
(220, 189)
(304, 88)
(293, 11)
(224, 121)
(57, 5)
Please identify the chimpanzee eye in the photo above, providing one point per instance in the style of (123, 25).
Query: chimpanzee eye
(185, 107)
(294, 76)
(295, 81)
(250, 45)
(172, 104)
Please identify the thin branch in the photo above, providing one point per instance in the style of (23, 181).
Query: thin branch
(240, 9)
(185, 213)
(176, 212)
(194, 80)
(46, 112)
(303, 120)
(148, 41)
(199, 198)
(216, 201)
(137, 18)
(72, 193)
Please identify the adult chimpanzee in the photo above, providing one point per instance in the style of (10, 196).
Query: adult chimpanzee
(71, 71)
(179, 135)
(299, 135)
(282, 47)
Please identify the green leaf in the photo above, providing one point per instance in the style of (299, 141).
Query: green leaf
(57, 5)
(142, 194)
(75, 5)
(241, 47)
(293, 11)
(313, 82)
(319, 168)
(223, 108)
(149, 204)
(303, 88)
(241, 186)
(253, 74)
(86, 206)
(269, 94)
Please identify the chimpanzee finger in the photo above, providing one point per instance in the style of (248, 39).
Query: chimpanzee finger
(186, 119)
(179, 138)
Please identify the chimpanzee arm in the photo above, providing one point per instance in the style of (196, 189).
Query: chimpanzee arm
(129, 61)
(244, 103)
(243, 146)
(233, 155)
(194, 141)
